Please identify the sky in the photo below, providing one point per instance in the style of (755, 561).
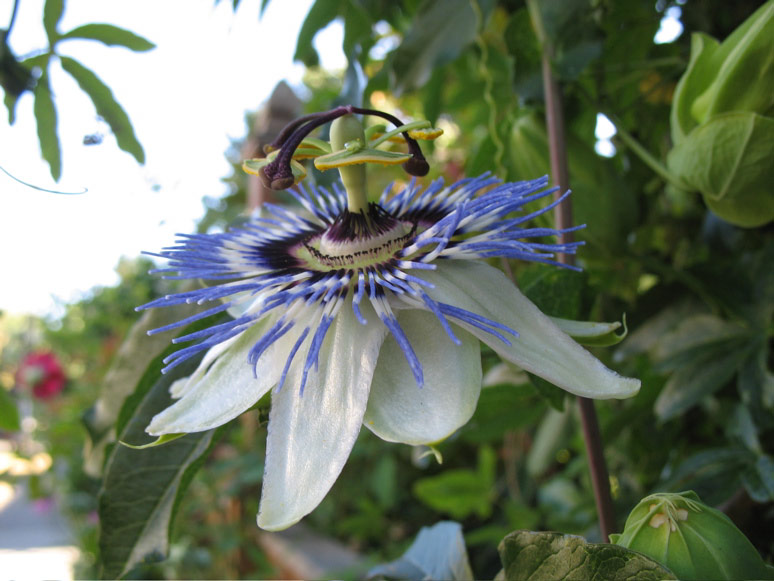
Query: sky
(187, 100)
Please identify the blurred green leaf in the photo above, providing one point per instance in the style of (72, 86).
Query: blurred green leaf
(759, 479)
(357, 30)
(320, 15)
(601, 200)
(698, 378)
(52, 14)
(553, 433)
(461, 492)
(46, 119)
(110, 35)
(107, 107)
(714, 473)
(142, 488)
(534, 556)
(9, 414)
(501, 408)
(440, 30)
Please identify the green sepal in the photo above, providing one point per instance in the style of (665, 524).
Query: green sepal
(163, 439)
(593, 334)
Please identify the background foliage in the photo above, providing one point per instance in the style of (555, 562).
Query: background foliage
(697, 291)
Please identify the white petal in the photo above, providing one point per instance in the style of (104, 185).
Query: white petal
(180, 386)
(228, 388)
(400, 411)
(311, 435)
(541, 347)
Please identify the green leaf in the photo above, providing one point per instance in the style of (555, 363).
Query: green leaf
(714, 473)
(601, 199)
(142, 487)
(727, 159)
(320, 15)
(555, 291)
(111, 36)
(9, 413)
(461, 492)
(501, 408)
(107, 107)
(746, 55)
(52, 14)
(537, 556)
(695, 80)
(701, 377)
(759, 479)
(45, 117)
(554, 395)
(135, 354)
(440, 30)
(357, 30)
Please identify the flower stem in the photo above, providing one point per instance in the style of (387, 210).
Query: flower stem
(563, 217)
(347, 129)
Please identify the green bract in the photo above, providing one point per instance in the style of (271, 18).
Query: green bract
(693, 540)
(728, 159)
(722, 124)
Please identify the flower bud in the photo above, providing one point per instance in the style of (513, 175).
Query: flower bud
(692, 539)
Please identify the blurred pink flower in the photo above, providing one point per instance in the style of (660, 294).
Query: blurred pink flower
(41, 372)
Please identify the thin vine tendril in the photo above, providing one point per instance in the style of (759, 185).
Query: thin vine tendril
(489, 99)
(34, 187)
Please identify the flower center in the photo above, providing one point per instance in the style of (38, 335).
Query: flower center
(355, 241)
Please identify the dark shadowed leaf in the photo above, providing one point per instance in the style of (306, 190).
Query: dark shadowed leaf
(107, 107)
(538, 556)
(706, 373)
(111, 36)
(142, 488)
(45, 117)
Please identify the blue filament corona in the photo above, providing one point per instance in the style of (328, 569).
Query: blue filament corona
(260, 272)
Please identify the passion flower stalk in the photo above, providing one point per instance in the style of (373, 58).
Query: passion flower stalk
(363, 313)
